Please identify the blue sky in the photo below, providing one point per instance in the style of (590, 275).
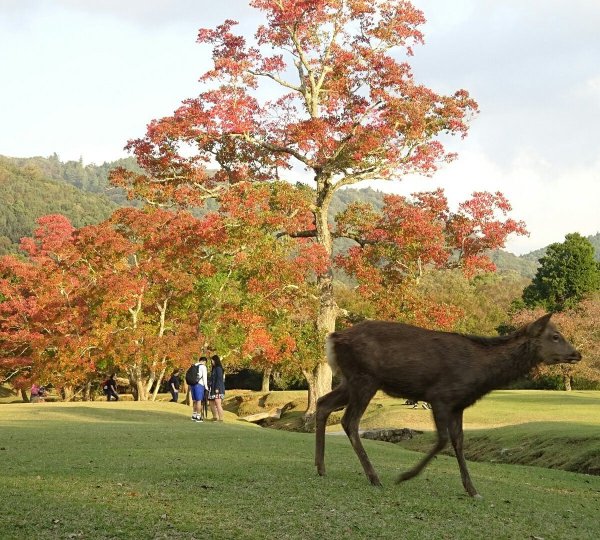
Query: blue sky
(81, 77)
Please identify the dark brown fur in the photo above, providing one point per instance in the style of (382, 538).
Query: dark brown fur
(450, 371)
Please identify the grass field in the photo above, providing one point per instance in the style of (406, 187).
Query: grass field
(131, 470)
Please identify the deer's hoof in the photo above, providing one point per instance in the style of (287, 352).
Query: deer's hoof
(477, 496)
(404, 477)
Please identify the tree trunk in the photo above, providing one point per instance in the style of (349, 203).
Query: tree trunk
(319, 379)
(567, 382)
(138, 385)
(68, 393)
(319, 384)
(141, 393)
(158, 383)
(24, 396)
(149, 383)
(266, 379)
(87, 392)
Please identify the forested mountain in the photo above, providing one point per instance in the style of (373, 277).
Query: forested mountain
(33, 187)
(595, 240)
(88, 178)
(26, 193)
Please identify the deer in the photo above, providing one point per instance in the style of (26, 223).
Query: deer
(451, 371)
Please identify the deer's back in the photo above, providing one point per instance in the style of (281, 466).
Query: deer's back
(409, 361)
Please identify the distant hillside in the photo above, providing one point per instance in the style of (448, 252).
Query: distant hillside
(508, 262)
(88, 178)
(595, 240)
(27, 194)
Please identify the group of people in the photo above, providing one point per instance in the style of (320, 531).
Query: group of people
(203, 388)
(415, 404)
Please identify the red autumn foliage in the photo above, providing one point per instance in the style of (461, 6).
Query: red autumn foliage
(111, 296)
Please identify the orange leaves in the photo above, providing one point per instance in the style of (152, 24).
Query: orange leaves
(53, 232)
(259, 345)
(271, 207)
(398, 24)
(478, 227)
(230, 56)
(399, 244)
(121, 289)
(347, 108)
(311, 258)
(264, 341)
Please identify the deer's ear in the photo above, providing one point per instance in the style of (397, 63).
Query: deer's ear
(537, 327)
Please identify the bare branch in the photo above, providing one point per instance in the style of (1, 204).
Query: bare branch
(276, 79)
(14, 374)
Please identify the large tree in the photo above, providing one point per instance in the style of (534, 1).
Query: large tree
(567, 273)
(348, 110)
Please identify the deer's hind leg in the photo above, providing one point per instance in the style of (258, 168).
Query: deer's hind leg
(361, 392)
(336, 399)
(455, 428)
(441, 417)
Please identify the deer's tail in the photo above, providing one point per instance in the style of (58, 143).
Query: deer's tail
(330, 352)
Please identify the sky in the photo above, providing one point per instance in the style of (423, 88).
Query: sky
(81, 77)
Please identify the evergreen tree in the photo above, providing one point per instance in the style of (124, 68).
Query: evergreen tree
(566, 274)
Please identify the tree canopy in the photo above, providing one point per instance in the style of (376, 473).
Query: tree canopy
(568, 271)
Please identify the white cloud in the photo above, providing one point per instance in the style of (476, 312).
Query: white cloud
(589, 90)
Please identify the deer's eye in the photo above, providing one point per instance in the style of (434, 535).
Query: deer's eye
(556, 337)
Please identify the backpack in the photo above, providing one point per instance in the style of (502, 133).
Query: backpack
(192, 375)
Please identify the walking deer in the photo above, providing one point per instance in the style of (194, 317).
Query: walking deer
(450, 371)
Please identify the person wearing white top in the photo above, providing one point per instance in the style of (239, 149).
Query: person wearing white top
(199, 389)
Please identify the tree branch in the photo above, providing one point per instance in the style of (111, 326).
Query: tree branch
(276, 79)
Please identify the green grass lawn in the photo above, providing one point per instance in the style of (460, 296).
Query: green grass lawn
(144, 470)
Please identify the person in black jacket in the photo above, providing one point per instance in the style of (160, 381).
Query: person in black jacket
(110, 388)
(174, 384)
(216, 391)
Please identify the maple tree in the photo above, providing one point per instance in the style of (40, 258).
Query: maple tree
(147, 306)
(53, 316)
(266, 296)
(18, 304)
(348, 111)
